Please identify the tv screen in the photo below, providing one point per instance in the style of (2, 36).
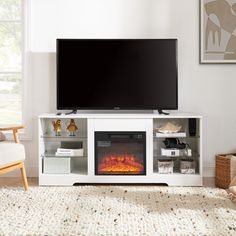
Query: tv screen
(117, 74)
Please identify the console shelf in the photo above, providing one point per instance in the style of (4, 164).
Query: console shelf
(48, 155)
(68, 170)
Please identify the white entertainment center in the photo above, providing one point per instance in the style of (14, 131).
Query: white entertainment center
(68, 170)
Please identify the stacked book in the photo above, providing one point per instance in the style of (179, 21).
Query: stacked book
(171, 135)
(70, 152)
(71, 149)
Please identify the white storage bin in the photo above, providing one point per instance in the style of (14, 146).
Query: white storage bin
(165, 166)
(58, 165)
(187, 166)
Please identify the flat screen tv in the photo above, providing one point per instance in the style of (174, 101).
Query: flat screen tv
(138, 74)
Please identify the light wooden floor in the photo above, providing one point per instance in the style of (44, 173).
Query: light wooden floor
(15, 182)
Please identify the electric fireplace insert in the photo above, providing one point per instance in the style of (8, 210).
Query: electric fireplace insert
(120, 153)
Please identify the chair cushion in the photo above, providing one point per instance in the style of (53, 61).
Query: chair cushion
(11, 152)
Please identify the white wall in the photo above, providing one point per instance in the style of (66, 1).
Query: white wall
(205, 89)
(51, 19)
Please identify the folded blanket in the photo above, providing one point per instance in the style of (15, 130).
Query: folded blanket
(232, 186)
(232, 193)
(233, 182)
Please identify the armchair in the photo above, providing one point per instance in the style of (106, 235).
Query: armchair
(12, 155)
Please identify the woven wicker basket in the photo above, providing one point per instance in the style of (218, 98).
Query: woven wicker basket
(223, 178)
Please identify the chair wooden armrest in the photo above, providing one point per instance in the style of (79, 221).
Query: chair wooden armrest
(15, 131)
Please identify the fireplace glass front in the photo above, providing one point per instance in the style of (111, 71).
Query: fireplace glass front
(120, 153)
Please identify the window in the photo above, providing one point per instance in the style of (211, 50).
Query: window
(11, 48)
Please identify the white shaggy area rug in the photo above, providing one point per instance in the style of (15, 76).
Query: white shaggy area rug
(116, 211)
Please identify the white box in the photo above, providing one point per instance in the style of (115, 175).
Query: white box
(59, 165)
(170, 152)
(176, 152)
(187, 167)
(165, 167)
(189, 152)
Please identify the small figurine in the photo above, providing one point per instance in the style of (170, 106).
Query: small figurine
(57, 127)
(72, 127)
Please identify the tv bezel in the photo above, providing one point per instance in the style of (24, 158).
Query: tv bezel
(117, 107)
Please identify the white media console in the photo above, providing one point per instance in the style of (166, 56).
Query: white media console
(69, 170)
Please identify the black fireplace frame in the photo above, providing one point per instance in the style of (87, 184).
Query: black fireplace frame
(118, 135)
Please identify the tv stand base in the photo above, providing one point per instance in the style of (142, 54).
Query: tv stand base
(65, 171)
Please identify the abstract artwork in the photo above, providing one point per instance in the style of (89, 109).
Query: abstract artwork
(218, 31)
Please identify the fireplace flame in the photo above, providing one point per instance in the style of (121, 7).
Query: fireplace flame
(126, 164)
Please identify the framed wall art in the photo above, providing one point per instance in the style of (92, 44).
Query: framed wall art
(217, 31)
